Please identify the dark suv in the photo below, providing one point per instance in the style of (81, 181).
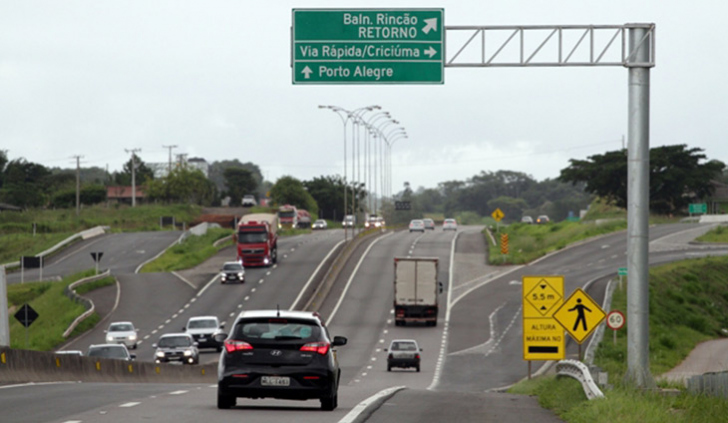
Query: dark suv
(278, 354)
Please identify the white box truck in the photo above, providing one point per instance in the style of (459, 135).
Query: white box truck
(416, 290)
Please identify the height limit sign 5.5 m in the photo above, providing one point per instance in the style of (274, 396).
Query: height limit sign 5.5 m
(367, 46)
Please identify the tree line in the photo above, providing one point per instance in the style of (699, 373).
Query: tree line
(678, 176)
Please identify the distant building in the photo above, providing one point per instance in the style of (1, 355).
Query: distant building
(200, 164)
(122, 194)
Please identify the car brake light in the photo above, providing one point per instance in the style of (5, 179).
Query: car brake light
(232, 346)
(417, 356)
(311, 377)
(318, 347)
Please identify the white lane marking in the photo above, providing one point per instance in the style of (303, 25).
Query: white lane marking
(167, 321)
(130, 404)
(386, 331)
(491, 319)
(140, 342)
(381, 341)
(147, 336)
(514, 283)
(247, 297)
(202, 291)
(160, 327)
(73, 421)
(20, 385)
(240, 305)
(174, 316)
(315, 272)
(193, 300)
(232, 314)
(374, 358)
(187, 305)
(369, 367)
(268, 272)
(605, 246)
(154, 331)
(359, 409)
(178, 392)
(260, 281)
(252, 290)
(293, 249)
(180, 277)
(351, 278)
(364, 374)
(181, 310)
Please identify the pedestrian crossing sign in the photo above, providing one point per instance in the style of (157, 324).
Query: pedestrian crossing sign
(579, 315)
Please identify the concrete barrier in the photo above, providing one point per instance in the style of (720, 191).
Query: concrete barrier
(714, 218)
(88, 233)
(23, 366)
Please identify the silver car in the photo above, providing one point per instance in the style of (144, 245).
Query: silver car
(203, 330)
(122, 333)
(450, 225)
(319, 224)
(112, 351)
(176, 347)
(404, 353)
(417, 225)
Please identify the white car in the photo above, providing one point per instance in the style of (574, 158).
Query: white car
(403, 353)
(122, 333)
(349, 221)
(112, 351)
(203, 330)
(450, 225)
(417, 225)
(249, 201)
(319, 224)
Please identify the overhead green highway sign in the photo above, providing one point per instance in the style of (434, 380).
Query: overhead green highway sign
(368, 46)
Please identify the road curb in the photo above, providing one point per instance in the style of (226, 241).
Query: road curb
(362, 411)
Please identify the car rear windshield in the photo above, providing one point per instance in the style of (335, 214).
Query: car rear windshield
(404, 346)
(174, 341)
(120, 327)
(276, 329)
(107, 352)
(201, 324)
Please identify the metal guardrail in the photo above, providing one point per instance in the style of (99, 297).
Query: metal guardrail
(578, 370)
(70, 292)
(714, 384)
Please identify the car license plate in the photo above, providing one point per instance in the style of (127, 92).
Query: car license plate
(275, 381)
(202, 339)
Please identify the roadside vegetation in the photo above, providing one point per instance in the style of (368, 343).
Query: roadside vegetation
(55, 311)
(717, 235)
(192, 251)
(688, 305)
(17, 237)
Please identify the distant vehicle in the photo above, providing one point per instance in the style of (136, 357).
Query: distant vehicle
(374, 221)
(349, 221)
(70, 352)
(122, 333)
(429, 223)
(257, 239)
(176, 347)
(416, 290)
(450, 225)
(404, 353)
(319, 224)
(112, 351)
(542, 219)
(249, 201)
(304, 219)
(417, 225)
(232, 271)
(527, 219)
(203, 330)
(279, 354)
(287, 217)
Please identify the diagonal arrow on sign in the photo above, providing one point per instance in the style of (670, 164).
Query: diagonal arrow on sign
(307, 72)
(431, 24)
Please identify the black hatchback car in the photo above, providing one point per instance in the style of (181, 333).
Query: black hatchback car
(278, 354)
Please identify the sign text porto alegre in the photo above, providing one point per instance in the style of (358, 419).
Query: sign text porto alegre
(366, 46)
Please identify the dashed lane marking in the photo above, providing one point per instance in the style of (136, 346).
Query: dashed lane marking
(130, 404)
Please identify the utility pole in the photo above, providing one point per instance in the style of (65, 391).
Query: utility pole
(78, 184)
(170, 147)
(133, 152)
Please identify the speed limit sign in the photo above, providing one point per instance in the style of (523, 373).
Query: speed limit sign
(615, 320)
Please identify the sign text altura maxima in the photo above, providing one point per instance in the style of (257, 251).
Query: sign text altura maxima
(364, 46)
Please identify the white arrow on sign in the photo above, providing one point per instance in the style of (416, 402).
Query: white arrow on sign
(306, 72)
(431, 25)
(430, 52)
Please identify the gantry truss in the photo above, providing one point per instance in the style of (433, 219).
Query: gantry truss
(546, 45)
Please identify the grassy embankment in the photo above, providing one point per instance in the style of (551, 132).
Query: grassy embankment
(53, 226)
(191, 252)
(55, 311)
(688, 305)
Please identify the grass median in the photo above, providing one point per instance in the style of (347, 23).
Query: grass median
(56, 312)
(688, 305)
(191, 252)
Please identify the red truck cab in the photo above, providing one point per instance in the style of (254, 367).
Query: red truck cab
(257, 239)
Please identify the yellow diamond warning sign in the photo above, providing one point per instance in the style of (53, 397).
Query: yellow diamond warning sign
(543, 296)
(579, 315)
(497, 215)
(543, 337)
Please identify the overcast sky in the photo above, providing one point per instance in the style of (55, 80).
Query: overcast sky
(94, 78)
